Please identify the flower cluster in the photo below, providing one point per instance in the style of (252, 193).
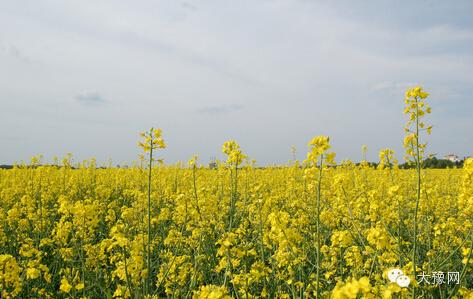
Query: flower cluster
(416, 108)
(233, 152)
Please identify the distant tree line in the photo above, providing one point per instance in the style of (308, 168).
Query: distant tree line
(427, 163)
(435, 163)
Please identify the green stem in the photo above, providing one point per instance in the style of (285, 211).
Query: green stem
(195, 191)
(319, 185)
(414, 252)
(149, 212)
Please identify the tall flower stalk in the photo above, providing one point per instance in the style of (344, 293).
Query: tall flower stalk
(152, 140)
(387, 160)
(317, 157)
(193, 165)
(235, 158)
(416, 108)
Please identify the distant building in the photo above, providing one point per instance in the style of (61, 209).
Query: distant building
(213, 163)
(452, 157)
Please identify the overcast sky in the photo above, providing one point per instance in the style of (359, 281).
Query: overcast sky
(87, 76)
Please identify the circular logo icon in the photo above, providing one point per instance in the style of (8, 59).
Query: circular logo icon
(397, 276)
(403, 281)
(393, 274)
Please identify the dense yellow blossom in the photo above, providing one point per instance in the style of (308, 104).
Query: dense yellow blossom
(307, 229)
(94, 225)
